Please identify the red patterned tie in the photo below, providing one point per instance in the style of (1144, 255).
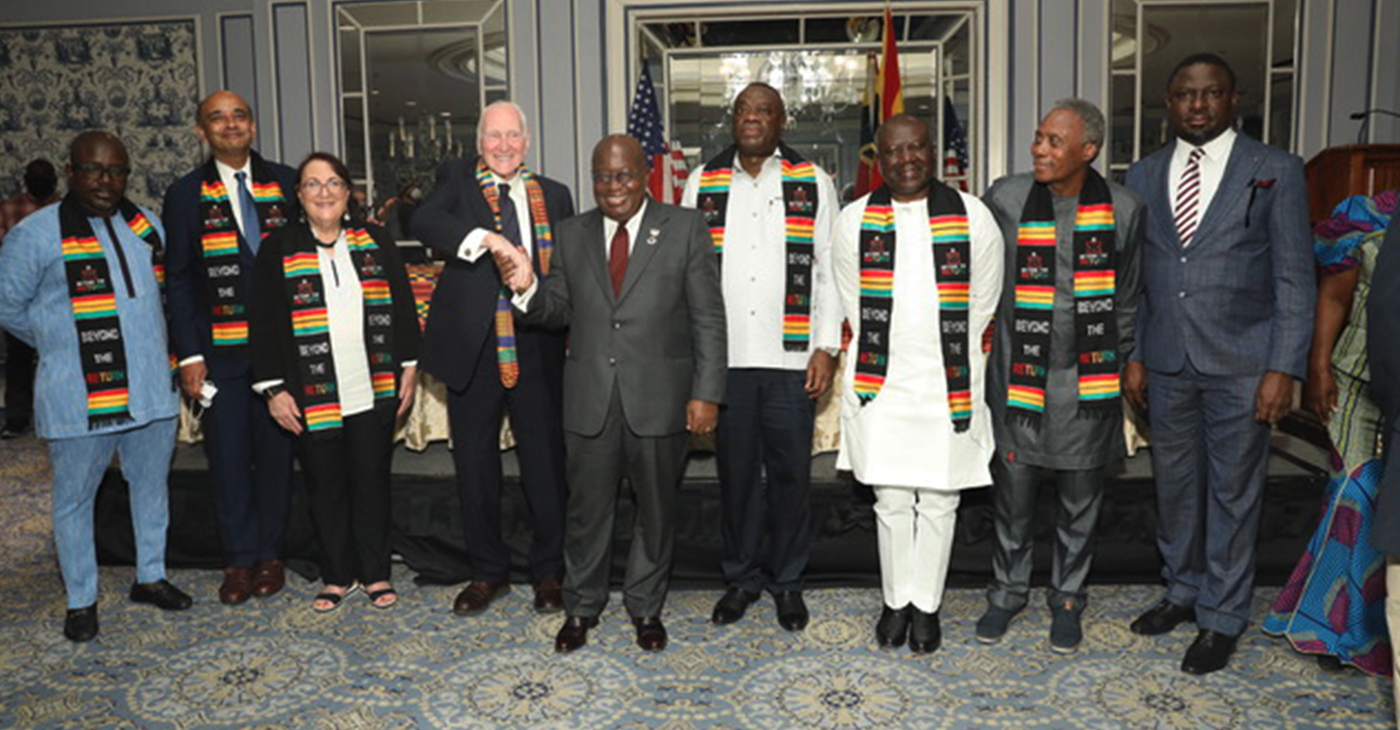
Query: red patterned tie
(617, 258)
(1188, 198)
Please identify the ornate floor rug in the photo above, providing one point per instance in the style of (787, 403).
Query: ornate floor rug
(275, 664)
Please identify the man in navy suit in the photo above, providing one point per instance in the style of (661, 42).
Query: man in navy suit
(216, 217)
(1223, 331)
(490, 361)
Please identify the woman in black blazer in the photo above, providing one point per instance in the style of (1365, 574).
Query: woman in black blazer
(334, 336)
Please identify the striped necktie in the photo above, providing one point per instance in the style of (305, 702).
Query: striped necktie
(1188, 198)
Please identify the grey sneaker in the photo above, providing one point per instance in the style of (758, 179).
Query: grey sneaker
(1065, 632)
(993, 624)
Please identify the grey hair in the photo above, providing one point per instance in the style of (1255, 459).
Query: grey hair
(524, 122)
(1087, 113)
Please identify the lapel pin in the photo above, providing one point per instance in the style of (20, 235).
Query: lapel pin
(652, 236)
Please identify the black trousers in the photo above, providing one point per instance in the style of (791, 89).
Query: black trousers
(536, 419)
(765, 426)
(19, 382)
(347, 484)
(250, 470)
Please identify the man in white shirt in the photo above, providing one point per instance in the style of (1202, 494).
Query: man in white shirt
(216, 218)
(490, 361)
(1223, 333)
(918, 269)
(770, 213)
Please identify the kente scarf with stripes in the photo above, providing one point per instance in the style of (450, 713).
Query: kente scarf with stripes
(800, 212)
(302, 281)
(1095, 327)
(93, 294)
(952, 269)
(228, 303)
(507, 359)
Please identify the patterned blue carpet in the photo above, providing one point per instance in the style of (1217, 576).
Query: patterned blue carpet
(275, 664)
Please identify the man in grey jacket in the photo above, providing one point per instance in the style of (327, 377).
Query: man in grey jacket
(1065, 328)
(637, 283)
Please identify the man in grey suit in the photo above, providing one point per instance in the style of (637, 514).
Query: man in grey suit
(637, 283)
(1223, 331)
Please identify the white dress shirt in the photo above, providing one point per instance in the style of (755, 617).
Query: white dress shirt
(521, 301)
(471, 247)
(754, 268)
(1212, 163)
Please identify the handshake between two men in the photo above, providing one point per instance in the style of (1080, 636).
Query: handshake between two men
(511, 261)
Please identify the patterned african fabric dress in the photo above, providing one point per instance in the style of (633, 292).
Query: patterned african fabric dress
(1334, 602)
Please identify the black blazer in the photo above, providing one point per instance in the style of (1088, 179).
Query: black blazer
(270, 324)
(461, 318)
(187, 285)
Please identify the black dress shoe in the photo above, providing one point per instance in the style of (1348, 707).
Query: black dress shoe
(731, 606)
(81, 624)
(574, 633)
(1210, 652)
(651, 633)
(893, 626)
(925, 635)
(162, 594)
(792, 610)
(1162, 618)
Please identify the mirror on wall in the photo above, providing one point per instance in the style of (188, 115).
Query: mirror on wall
(414, 77)
(823, 64)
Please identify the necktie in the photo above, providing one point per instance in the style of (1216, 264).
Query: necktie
(1188, 198)
(617, 258)
(252, 230)
(507, 358)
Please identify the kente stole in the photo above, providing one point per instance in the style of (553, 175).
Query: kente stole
(228, 302)
(800, 211)
(507, 358)
(952, 269)
(101, 348)
(301, 270)
(1095, 327)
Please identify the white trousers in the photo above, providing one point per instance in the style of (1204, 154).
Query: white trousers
(914, 529)
(1392, 621)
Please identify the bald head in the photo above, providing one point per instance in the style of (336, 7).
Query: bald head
(619, 176)
(905, 153)
(226, 124)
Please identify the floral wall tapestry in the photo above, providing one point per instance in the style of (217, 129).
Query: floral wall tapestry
(139, 81)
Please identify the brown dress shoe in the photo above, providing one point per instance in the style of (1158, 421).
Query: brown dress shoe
(268, 577)
(477, 597)
(651, 633)
(237, 586)
(549, 597)
(574, 633)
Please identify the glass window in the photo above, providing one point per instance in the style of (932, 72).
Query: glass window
(428, 70)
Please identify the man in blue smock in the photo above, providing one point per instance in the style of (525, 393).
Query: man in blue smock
(79, 282)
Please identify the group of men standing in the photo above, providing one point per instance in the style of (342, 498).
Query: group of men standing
(725, 316)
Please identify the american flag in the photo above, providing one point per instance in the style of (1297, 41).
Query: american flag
(954, 145)
(668, 172)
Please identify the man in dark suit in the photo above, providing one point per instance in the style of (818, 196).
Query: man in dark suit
(491, 361)
(216, 217)
(1223, 331)
(637, 283)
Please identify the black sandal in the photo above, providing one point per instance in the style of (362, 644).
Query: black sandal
(374, 597)
(334, 599)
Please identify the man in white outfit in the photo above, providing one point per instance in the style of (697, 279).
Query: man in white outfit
(918, 267)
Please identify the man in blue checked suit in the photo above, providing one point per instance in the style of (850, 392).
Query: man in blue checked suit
(1223, 332)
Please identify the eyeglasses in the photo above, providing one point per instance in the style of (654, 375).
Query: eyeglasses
(335, 186)
(624, 177)
(96, 171)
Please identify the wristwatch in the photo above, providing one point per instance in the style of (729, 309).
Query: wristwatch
(272, 391)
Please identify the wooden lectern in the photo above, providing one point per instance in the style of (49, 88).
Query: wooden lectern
(1355, 169)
